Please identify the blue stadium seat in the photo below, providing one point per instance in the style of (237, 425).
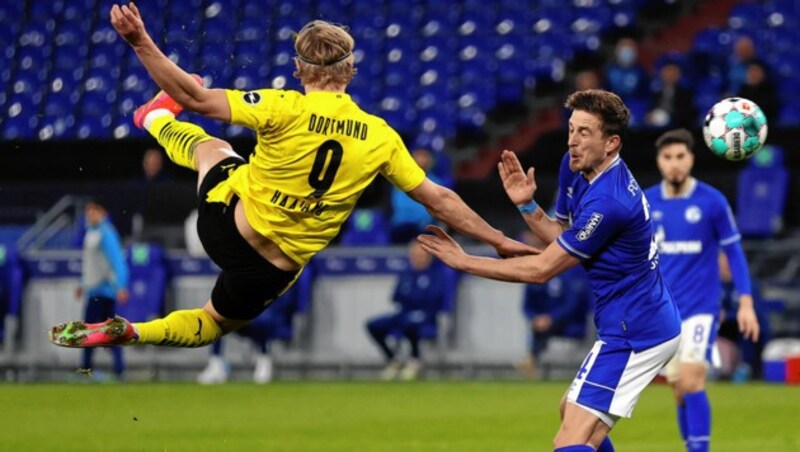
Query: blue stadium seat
(244, 82)
(789, 114)
(623, 17)
(366, 227)
(251, 53)
(148, 283)
(419, 39)
(256, 8)
(123, 127)
(21, 119)
(251, 29)
(78, 10)
(470, 119)
(434, 142)
(440, 120)
(137, 81)
(211, 126)
(761, 194)
(746, 16)
(703, 101)
(93, 127)
(61, 103)
(56, 127)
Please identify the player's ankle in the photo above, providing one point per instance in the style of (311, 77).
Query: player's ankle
(153, 115)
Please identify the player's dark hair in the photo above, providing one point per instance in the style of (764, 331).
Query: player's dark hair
(675, 136)
(605, 104)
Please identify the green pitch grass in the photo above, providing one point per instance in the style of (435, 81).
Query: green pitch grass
(361, 416)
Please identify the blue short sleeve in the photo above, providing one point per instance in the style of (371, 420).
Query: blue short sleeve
(598, 223)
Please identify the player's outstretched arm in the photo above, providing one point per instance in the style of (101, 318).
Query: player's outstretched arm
(746, 315)
(526, 269)
(520, 188)
(169, 77)
(445, 205)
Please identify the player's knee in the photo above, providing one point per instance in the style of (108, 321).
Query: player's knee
(692, 384)
(209, 153)
(226, 325)
(566, 436)
(692, 378)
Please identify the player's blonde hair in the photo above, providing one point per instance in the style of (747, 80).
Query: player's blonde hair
(324, 54)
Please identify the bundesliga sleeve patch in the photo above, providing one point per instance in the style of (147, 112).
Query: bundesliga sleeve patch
(591, 225)
(252, 97)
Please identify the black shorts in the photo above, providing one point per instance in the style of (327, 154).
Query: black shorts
(248, 282)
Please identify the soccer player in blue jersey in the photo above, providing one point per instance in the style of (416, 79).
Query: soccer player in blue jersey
(693, 221)
(602, 222)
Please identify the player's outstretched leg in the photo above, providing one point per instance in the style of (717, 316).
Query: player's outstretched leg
(186, 144)
(185, 328)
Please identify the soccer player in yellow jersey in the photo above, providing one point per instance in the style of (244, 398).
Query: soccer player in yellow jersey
(262, 221)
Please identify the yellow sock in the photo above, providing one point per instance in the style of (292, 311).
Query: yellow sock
(186, 328)
(178, 138)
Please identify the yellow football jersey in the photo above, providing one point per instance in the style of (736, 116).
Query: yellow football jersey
(316, 153)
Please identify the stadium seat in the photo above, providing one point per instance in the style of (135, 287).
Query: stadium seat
(93, 127)
(419, 39)
(19, 127)
(761, 194)
(147, 285)
(746, 16)
(56, 127)
(60, 104)
(789, 114)
(366, 227)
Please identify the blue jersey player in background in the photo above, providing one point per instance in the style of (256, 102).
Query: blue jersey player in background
(693, 221)
(602, 222)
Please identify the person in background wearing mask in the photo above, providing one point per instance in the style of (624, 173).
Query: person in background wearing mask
(625, 76)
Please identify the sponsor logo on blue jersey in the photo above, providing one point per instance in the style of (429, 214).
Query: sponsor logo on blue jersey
(591, 225)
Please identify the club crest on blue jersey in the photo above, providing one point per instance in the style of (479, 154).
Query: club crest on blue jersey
(591, 225)
(693, 214)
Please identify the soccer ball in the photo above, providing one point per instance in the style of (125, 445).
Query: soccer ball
(735, 128)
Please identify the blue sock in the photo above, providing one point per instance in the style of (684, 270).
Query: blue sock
(606, 445)
(683, 424)
(698, 420)
(577, 448)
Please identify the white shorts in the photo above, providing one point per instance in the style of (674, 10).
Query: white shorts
(698, 345)
(613, 377)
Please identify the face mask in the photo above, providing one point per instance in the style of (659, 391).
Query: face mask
(626, 56)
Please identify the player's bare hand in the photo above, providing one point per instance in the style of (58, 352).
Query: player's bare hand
(128, 23)
(510, 248)
(442, 246)
(519, 185)
(747, 319)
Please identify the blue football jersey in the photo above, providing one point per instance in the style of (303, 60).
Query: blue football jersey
(689, 232)
(611, 233)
